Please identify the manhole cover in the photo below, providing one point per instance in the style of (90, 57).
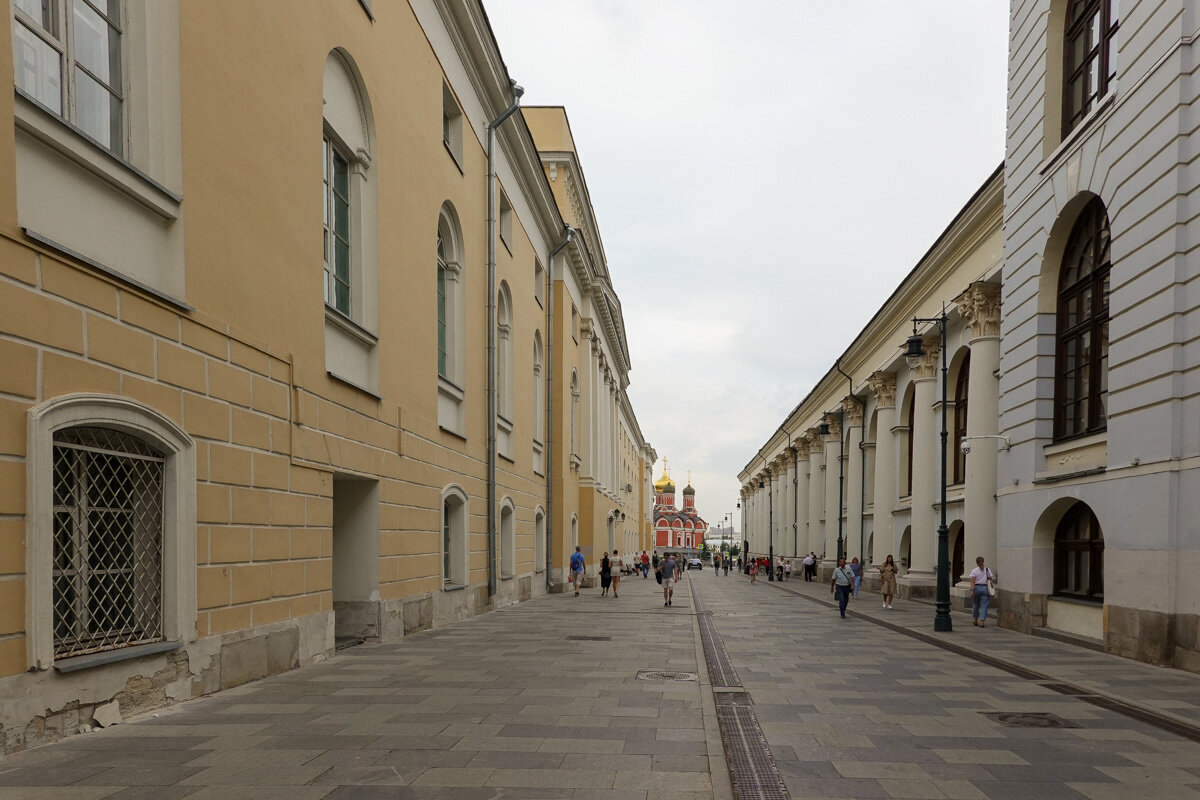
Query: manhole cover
(589, 638)
(1028, 720)
(663, 675)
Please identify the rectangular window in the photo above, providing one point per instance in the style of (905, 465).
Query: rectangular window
(539, 284)
(452, 125)
(506, 215)
(337, 228)
(67, 57)
(108, 525)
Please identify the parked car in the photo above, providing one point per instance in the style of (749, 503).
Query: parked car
(695, 563)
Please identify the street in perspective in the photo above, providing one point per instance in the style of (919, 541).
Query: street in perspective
(593, 697)
(834, 434)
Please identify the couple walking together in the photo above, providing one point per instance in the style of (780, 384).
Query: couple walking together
(610, 571)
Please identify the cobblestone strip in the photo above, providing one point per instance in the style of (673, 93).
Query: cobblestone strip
(1149, 716)
(752, 768)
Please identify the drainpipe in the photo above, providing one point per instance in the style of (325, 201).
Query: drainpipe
(491, 340)
(570, 232)
(842, 465)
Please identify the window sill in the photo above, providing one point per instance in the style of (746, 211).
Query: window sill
(66, 139)
(457, 161)
(452, 432)
(366, 7)
(1077, 133)
(349, 326)
(354, 385)
(1077, 601)
(112, 656)
(109, 271)
(1065, 445)
(453, 587)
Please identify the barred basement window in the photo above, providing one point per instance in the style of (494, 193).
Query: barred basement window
(108, 541)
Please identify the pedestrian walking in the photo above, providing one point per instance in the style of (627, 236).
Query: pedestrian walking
(670, 573)
(655, 560)
(645, 565)
(616, 564)
(842, 584)
(725, 566)
(810, 561)
(981, 590)
(856, 568)
(605, 574)
(754, 571)
(787, 569)
(887, 575)
(717, 563)
(578, 567)
(779, 569)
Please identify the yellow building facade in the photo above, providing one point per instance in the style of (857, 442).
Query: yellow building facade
(255, 404)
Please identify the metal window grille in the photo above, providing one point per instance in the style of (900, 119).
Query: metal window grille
(108, 526)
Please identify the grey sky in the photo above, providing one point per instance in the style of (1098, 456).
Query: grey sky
(764, 174)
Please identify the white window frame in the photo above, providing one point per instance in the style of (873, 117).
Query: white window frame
(451, 394)
(539, 540)
(508, 539)
(179, 516)
(459, 538)
(452, 126)
(62, 39)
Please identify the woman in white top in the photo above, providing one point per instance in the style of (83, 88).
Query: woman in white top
(979, 592)
(616, 564)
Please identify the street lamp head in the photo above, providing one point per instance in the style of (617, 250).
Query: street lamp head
(914, 351)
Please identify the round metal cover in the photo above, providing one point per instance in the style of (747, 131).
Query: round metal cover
(1030, 720)
(664, 675)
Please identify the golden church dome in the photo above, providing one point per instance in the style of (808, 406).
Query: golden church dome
(664, 485)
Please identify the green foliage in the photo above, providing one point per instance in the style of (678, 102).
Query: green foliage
(734, 550)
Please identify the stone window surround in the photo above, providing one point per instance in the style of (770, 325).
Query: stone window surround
(179, 515)
(459, 538)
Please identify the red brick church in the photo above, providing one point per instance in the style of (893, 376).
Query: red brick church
(676, 527)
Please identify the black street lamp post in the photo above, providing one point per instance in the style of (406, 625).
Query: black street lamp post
(770, 528)
(913, 355)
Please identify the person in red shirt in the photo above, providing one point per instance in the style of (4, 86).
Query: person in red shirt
(645, 565)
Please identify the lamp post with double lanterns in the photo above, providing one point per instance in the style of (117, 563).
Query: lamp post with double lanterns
(770, 527)
(914, 353)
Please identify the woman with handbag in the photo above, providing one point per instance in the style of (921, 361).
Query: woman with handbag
(981, 590)
(605, 574)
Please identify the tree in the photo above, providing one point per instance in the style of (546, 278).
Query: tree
(734, 550)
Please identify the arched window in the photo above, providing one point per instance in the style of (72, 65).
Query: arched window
(539, 402)
(454, 538)
(349, 197)
(1081, 369)
(1079, 555)
(508, 543)
(1089, 56)
(111, 544)
(450, 321)
(911, 418)
(574, 413)
(960, 418)
(539, 540)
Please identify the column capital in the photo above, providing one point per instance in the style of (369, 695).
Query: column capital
(883, 385)
(834, 421)
(815, 442)
(979, 306)
(853, 410)
(927, 369)
(789, 457)
(801, 447)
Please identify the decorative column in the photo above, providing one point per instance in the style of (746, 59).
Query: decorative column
(852, 409)
(816, 492)
(800, 540)
(787, 544)
(744, 497)
(979, 306)
(883, 384)
(833, 511)
(926, 472)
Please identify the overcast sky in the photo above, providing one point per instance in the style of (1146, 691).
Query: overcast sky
(764, 173)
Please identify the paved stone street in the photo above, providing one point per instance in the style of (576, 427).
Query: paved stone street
(507, 706)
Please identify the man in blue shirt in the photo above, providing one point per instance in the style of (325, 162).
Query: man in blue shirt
(578, 567)
(842, 584)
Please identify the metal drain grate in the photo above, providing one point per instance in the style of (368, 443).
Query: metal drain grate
(1038, 719)
(752, 769)
(665, 675)
(589, 638)
(732, 699)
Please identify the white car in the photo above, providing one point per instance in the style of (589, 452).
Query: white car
(695, 563)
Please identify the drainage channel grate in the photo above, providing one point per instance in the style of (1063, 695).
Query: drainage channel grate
(752, 769)
(753, 774)
(589, 638)
(665, 675)
(1034, 719)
